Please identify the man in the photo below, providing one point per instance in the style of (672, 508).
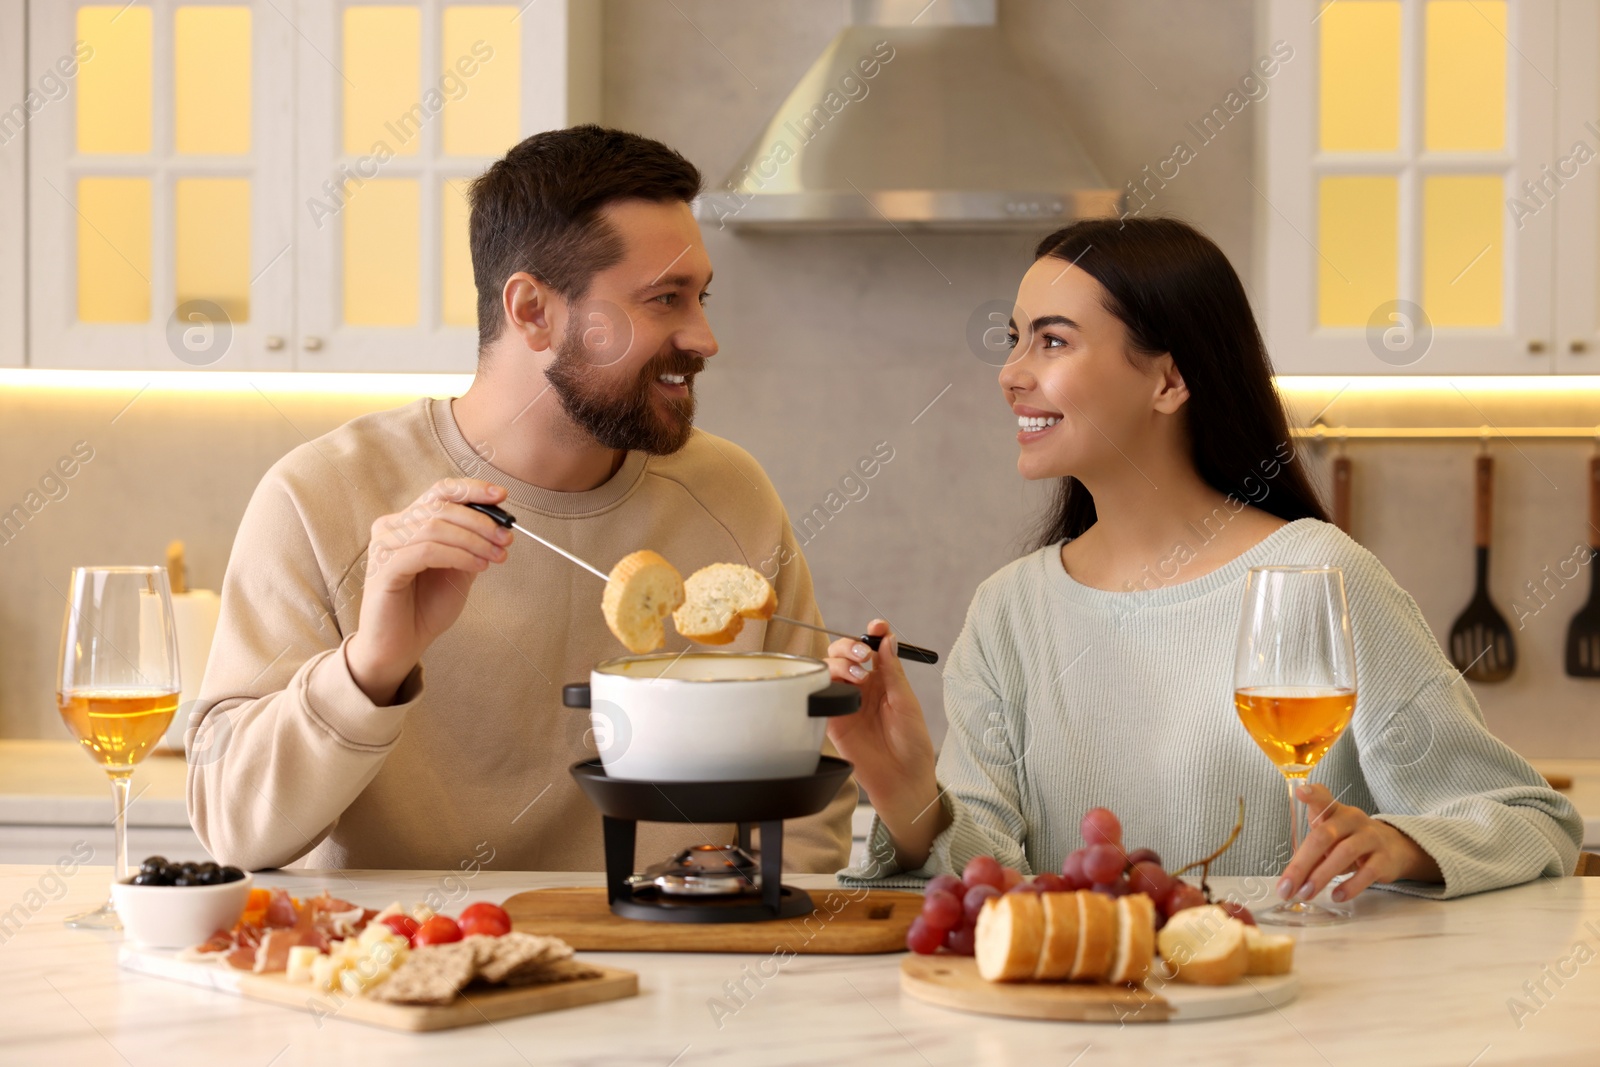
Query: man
(385, 686)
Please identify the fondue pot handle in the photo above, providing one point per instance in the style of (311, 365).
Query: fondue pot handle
(575, 695)
(837, 699)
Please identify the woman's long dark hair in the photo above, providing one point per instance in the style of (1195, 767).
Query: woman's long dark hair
(1177, 293)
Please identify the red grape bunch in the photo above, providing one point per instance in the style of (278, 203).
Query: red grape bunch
(950, 905)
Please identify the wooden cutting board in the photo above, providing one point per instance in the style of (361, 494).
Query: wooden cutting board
(469, 1008)
(953, 982)
(844, 922)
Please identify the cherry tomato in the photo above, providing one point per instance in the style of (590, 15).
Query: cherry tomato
(485, 908)
(404, 925)
(439, 930)
(483, 923)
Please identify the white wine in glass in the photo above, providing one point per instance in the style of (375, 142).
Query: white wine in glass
(1295, 689)
(117, 684)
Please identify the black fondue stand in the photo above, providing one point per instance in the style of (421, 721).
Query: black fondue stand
(748, 803)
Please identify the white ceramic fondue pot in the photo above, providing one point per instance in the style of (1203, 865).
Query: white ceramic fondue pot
(710, 716)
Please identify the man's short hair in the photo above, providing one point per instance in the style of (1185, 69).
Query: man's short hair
(538, 210)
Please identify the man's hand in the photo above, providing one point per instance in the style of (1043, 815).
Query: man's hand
(1345, 838)
(420, 566)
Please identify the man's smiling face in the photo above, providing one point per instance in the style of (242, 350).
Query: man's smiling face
(625, 366)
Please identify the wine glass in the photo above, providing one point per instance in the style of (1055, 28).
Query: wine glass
(1294, 683)
(118, 684)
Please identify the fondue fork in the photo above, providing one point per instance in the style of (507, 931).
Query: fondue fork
(504, 518)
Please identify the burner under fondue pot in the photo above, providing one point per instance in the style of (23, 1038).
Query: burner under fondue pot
(705, 871)
(707, 883)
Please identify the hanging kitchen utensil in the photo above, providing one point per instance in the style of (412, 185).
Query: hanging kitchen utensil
(1480, 641)
(872, 641)
(1583, 634)
(1341, 490)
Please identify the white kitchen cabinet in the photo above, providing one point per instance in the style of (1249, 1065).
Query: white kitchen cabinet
(255, 185)
(385, 279)
(1575, 163)
(159, 189)
(1394, 146)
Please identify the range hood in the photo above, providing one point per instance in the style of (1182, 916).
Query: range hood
(916, 116)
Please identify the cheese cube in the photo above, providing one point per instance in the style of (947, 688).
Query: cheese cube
(325, 972)
(301, 958)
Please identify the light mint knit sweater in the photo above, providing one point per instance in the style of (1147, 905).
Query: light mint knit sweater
(1062, 697)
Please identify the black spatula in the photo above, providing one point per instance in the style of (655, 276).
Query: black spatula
(1583, 635)
(1480, 641)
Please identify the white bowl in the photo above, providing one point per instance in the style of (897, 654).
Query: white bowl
(178, 916)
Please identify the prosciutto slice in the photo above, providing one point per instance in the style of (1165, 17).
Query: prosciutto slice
(264, 948)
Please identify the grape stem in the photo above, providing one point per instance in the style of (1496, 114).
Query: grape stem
(1205, 864)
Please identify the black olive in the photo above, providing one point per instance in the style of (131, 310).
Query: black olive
(232, 874)
(152, 864)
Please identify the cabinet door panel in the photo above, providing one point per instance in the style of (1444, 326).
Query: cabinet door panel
(160, 185)
(1392, 140)
(443, 90)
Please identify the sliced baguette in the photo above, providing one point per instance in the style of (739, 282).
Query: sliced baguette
(1205, 946)
(1269, 953)
(1060, 936)
(1097, 936)
(717, 599)
(1009, 937)
(1136, 938)
(642, 590)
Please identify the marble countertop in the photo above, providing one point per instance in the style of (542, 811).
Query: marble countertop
(1409, 981)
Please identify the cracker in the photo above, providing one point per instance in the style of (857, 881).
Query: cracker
(516, 952)
(431, 974)
(552, 973)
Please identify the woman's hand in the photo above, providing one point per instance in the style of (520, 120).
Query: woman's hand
(1345, 838)
(888, 742)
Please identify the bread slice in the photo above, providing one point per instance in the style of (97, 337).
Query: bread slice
(1097, 936)
(642, 590)
(1136, 938)
(1009, 937)
(1269, 953)
(1060, 936)
(717, 599)
(1205, 946)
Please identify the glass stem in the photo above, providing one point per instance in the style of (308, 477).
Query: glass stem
(1296, 811)
(119, 800)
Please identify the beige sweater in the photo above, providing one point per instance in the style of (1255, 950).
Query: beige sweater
(472, 758)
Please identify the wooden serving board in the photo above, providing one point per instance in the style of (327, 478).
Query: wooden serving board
(844, 922)
(476, 1006)
(953, 982)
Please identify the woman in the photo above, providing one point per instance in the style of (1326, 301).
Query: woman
(1097, 671)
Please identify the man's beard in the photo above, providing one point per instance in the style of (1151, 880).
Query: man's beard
(628, 421)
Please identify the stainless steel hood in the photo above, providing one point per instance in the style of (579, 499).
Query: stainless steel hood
(917, 115)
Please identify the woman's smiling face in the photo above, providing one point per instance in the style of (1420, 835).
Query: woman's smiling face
(1083, 401)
